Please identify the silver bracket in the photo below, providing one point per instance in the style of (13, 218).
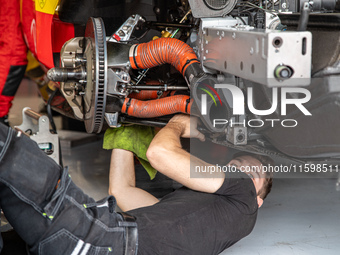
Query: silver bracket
(237, 135)
(268, 57)
(112, 119)
(37, 127)
(124, 33)
(114, 80)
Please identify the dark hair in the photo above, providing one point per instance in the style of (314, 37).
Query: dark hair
(265, 161)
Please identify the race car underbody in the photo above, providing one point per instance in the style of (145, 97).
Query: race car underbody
(262, 76)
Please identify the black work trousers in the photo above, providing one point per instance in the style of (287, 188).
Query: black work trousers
(49, 212)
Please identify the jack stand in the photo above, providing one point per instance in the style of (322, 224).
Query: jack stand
(37, 127)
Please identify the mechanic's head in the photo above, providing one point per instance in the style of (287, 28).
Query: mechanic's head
(254, 165)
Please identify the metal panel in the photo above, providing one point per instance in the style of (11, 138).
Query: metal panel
(258, 55)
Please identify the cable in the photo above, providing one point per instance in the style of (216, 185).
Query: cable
(49, 111)
(251, 20)
(243, 21)
(50, 117)
(181, 21)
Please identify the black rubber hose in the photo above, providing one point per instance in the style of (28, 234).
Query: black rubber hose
(304, 17)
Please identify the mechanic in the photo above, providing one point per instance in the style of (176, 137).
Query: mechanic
(53, 216)
(208, 215)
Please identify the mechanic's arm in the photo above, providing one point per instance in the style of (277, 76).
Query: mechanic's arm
(165, 154)
(123, 182)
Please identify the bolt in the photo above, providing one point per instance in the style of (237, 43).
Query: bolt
(204, 58)
(233, 36)
(251, 51)
(284, 5)
(157, 10)
(121, 33)
(206, 51)
(125, 77)
(220, 77)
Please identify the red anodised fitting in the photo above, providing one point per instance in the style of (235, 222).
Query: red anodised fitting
(157, 107)
(144, 94)
(150, 94)
(161, 51)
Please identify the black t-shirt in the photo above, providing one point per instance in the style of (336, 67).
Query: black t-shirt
(191, 222)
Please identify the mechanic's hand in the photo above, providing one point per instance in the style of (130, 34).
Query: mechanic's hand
(183, 121)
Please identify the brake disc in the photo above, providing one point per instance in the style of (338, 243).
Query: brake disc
(96, 67)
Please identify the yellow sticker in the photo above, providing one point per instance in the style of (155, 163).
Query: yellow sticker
(46, 6)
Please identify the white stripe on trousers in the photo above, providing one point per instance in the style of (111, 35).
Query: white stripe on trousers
(78, 247)
(86, 249)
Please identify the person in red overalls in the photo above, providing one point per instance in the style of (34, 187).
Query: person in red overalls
(13, 51)
(27, 25)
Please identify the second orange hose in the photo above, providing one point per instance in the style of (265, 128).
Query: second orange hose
(157, 107)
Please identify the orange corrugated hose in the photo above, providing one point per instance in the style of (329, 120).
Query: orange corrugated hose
(161, 51)
(157, 107)
(155, 53)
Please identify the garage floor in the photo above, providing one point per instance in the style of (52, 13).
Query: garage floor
(301, 216)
